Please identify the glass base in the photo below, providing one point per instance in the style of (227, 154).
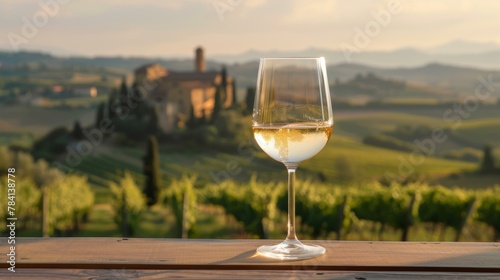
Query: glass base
(291, 250)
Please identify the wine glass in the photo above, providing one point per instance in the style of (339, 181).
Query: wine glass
(292, 121)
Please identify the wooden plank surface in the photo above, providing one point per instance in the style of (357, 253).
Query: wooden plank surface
(121, 274)
(175, 254)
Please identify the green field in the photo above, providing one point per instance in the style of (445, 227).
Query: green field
(361, 123)
(345, 160)
(38, 121)
(485, 131)
(341, 160)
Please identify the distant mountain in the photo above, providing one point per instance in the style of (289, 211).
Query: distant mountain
(454, 79)
(408, 57)
(484, 55)
(465, 47)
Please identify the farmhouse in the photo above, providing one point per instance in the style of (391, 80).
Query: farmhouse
(178, 95)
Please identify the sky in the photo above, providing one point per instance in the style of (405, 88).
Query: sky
(168, 28)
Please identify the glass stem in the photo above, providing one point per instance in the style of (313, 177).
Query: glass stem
(291, 204)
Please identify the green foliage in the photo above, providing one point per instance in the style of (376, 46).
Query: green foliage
(182, 199)
(449, 207)
(488, 210)
(100, 115)
(128, 204)
(488, 162)
(152, 172)
(77, 132)
(465, 154)
(217, 104)
(112, 104)
(253, 204)
(322, 209)
(235, 91)
(6, 158)
(191, 122)
(394, 205)
(250, 99)
(52, 144)
(70, 199)
(207, 135)
(124, 92)
(27, 201)
(153, 121)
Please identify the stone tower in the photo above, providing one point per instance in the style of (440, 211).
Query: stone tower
(199, 63)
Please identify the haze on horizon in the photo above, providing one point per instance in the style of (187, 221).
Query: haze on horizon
(173, 28)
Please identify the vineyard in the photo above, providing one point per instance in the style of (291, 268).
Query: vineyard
(60, 205)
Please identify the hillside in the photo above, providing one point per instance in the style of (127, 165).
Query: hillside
(443, 76)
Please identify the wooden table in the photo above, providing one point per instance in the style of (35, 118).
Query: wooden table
(121, 258)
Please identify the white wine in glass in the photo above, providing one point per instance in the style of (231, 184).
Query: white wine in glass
(292, 121)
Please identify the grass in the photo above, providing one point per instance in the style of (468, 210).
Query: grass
(365, 123)
(39, 121)
(343, 159)
(481, 131)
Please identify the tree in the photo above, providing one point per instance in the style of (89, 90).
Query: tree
(234, 93)
(100, 115)
(224, 81)
(124, 91)
(488, 162)
(250, 99)
(77, 132)
(217, 104)
(182, 199)
(203, 119)
(152, 172)
(128, 203)
(113, 97)
(191, 122)
(153, 121)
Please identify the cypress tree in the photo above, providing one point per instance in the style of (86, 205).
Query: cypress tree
(191, 122)
(77, 132)
(123, 91)
(113, 97)
(153, 124)
(217, 105)
(234, 101)
(203, 119)
(100, 115)
(152, 172)
(224, 85)
(488, 163)
(250, 99)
